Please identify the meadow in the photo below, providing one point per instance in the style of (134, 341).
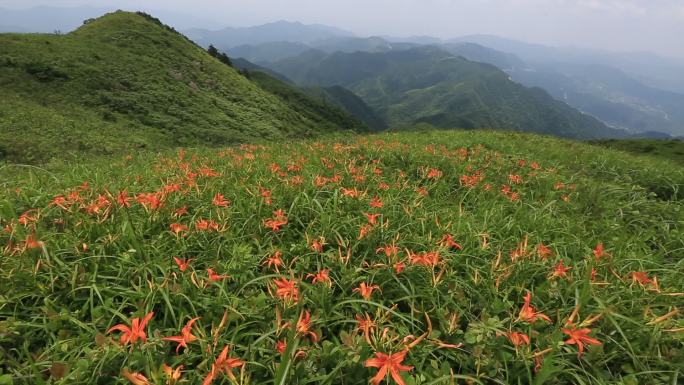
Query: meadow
(405, 258)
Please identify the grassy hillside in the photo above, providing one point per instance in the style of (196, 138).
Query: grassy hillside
(349, 102)
(126, 81)
(665, 149)
(491, 258)
(324, 98)
(432, 86)
(312, 108)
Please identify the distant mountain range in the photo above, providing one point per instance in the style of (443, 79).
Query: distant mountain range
(426, 84)
(272, 32)
(635, 93)
(610, 87)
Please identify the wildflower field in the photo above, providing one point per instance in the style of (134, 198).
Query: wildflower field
(422, 258)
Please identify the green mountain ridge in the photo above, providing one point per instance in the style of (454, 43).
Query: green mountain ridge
(124, 82)
(429, 85)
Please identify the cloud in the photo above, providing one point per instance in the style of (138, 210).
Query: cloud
(654, 25)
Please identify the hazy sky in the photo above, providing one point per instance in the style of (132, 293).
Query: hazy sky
(632, 25)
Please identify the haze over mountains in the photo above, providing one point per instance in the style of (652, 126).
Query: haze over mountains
(637, 92)
(475, 81)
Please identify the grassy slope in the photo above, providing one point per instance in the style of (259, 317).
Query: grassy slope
(350, 102)
(57, 303)
(124, 77)
(664, 149)
(432, 86)
(311, 107)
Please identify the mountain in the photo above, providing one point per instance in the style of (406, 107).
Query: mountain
(268, 52)
(583, 81)
(350, 102)
(430, 85)
(324, 98)
(353, 44)
(125, 81)
(648, 68)
(246, 65)
(610, 95)
(479, 53)
(295, 32)
(310, 106)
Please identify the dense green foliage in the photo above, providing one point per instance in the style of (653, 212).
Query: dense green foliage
(349, 102)
(430, 85)
(126, 81)
(665, 149)
(311, 107)
(84, 247)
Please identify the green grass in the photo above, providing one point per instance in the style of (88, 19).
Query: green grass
(664, 149)
(98, 268)
(125, 81)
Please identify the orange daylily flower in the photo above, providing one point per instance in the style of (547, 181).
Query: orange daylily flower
(32, 243)
(29, 217)
(214, 277)
(150, 201)
(518, 339)
(366, 290)
(179, 212)
(515, 179)
(372, 218)
(135, 378)
(317, 245)
(275, 261)
(206, 225)
(266, 194)
(391, 364)
(208, 172)
(281, 346)
(544, 251)
(365, 325)
(399, 267)
(430, 258)
(389, 250)
(135, 332)
(279, 220)
(353, 193)
(434, 173)
(185, 337)
(580, 337)
(223, 364)
(641, 277)
(220, 201)
(182, 264)
(599, 252)
(177, 228)
(363, 231)
(322, 276)
(60, 201)
(448, 242)
(529, 314)
(560, 270)
(172, 375)
(286, 289)
(376, 203)
(303, 326)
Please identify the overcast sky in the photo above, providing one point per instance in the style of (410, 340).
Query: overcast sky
(626, 25)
